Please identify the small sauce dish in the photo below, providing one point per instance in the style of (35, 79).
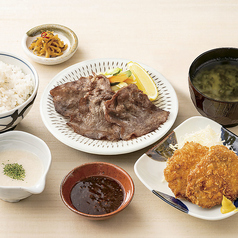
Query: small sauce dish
(96, 170)
(64, 33)
(22, 141)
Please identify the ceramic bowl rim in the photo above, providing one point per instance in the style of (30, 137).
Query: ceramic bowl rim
(107, 215)
(35, 78)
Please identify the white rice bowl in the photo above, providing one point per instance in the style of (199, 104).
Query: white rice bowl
(19, 84)
(15, 86)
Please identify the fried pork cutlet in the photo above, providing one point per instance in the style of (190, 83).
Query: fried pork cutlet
(214, 176)
(180, 164)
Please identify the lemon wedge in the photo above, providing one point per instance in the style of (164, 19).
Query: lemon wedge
(143, 80)
(227, 205)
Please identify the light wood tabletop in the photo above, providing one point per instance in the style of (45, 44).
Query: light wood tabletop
(166, 35)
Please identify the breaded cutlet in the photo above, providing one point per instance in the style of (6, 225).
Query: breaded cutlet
(214, 176)
(180, 164)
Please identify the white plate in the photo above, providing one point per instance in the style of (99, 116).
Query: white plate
(64, 33)
(151, 172)
(56, 124)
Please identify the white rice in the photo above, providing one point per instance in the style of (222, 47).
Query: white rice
(15, 86)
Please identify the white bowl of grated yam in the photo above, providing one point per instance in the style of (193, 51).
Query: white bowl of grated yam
(18, 89)
(50, 44)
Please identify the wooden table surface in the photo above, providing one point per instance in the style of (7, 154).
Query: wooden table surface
(166, 35)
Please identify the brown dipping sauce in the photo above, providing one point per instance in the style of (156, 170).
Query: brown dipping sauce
(97, 195)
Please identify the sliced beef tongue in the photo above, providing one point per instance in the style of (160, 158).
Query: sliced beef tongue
(66, 96)
(132, 110)
(102, 82)
(95, 111)
(90, 119)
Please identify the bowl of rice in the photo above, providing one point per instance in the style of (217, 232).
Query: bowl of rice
(18, 89)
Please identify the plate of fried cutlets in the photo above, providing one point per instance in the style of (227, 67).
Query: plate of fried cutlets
(80, 109)
(194, 169)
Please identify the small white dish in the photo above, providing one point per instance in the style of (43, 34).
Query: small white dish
(64, 33)
(56, 123)
(24, 141)
(149, 168)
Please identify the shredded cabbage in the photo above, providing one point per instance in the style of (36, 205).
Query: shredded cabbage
(206, 137)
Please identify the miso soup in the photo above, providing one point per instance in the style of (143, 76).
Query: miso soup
(218, 80)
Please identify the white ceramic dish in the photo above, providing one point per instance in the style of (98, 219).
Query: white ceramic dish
(64, 33)
(9, 119)
(25, 141)
(56, 124)
(151, 171)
